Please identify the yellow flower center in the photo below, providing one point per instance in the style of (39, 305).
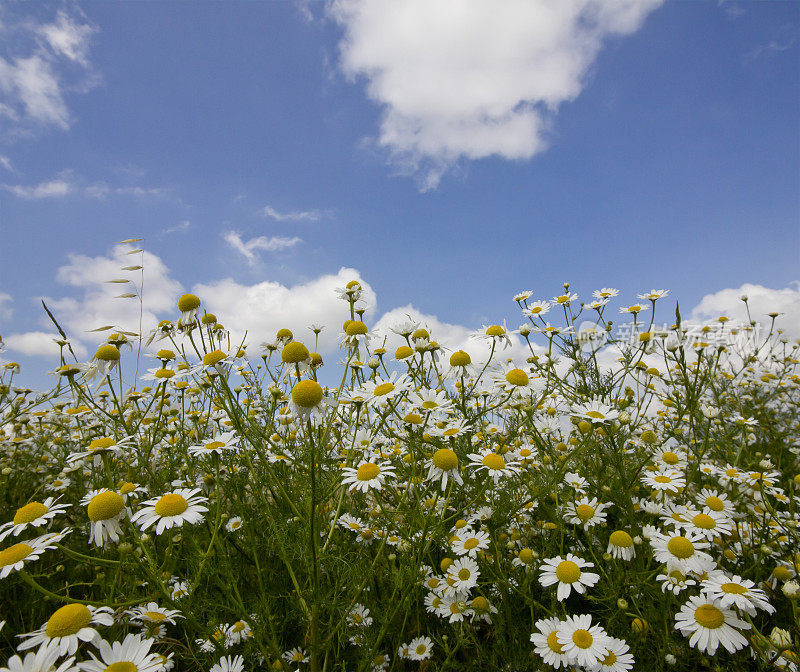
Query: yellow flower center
(714, 503)
(493, 461)
(704, 521)
(460, 358)
(294, 353)
(13, 554)
(127, 488)
(568, 571)
(585, 512)
(29, 513)
(188, 302)
(356, 328)
(239, 626)
(213, 358)
(670, 458)
(552, 642)
(107, 353)
(403, 352)
(68, 621)
(662, 479)
(621, 539)
(610, 659)
(368, 471)
(214, 445)
(464, 574)
(595, 414)
(445, 459)
(582, 639)
(733, 588)
(471, 543)
(102, 444)
(495, 330)
(122, 666)
(383, 389)
(154, 616)
(104, 506)
(480, 603)
(171, 505)
(517, 377)
(709, 616)
(421, 648)
(163, 374)
(681, 547)
(307, 393)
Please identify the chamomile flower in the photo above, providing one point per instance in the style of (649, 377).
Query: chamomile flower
(308, 401)
(617, 659)
(585, 512)
(67, 628)
(595, 412)
(547, 645)
(380, 391)
(296, 655)
(240, 631)
(493, 464)
(443, 466)
(132, 654)
(462, 576)
(228, 664)
(32, 514)
(584, 644)
(469, 542)
(568, 573)
(14, 557)
(43, 660)
(359, 616)
(435, 402)
(674, 581)
(171, 510)
(370, 474)
(709, 525)
(105, 509)
(708, 624)
(668, 481)
(234, 524)
(734, 591)
(682, 552)
(152, 613)
(495, 335)
(222, 443)
(420, 648)
(620, 545)
(537, 309)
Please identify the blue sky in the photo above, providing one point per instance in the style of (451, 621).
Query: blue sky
(449, 158)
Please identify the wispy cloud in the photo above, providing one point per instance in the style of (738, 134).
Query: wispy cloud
(782, 43)
(180, 227)
(249, 248)
(33, 76)
(101, 190)
(6, 163)
(52, 189)
(295, 216)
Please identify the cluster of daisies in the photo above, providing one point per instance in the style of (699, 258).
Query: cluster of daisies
(605, 500)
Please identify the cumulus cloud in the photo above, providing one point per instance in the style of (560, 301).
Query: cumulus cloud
(39, 343)
(762, 301)
(468, 79)
(263, 308)
(94, 303)
(249, 248)
(50, 189)
(294, 216)
(42, 62)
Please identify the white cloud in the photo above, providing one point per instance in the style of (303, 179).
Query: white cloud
(262, 243)
(47, 60)
(6, 163)
(51, 189)
(39, 343)
(180, 227)
(69, 38)
(6, 311)
(94, 303)
(263, 308)
(474, 78)
(762, 301)
(295, 216)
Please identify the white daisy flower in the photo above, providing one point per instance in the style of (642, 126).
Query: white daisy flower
(547, 645)
(568, 574)
(370, 474)
(359, 616)
(296, 655)
(33, 514)
(133, 650)
(227, 441)
(171, 510)
(585, 512)
(620, 545)
(105, 509)
(734, 591)
(443, 466)
(708, 624)
(493, 464)
(595, 412)
(14, 557)
(617, 659)
(584, 644)
(228, 664)
(684, 552)
(43, 660)
(462, 576)
(67, 627)
(420, 648)
(240, 631)
(469, 542)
